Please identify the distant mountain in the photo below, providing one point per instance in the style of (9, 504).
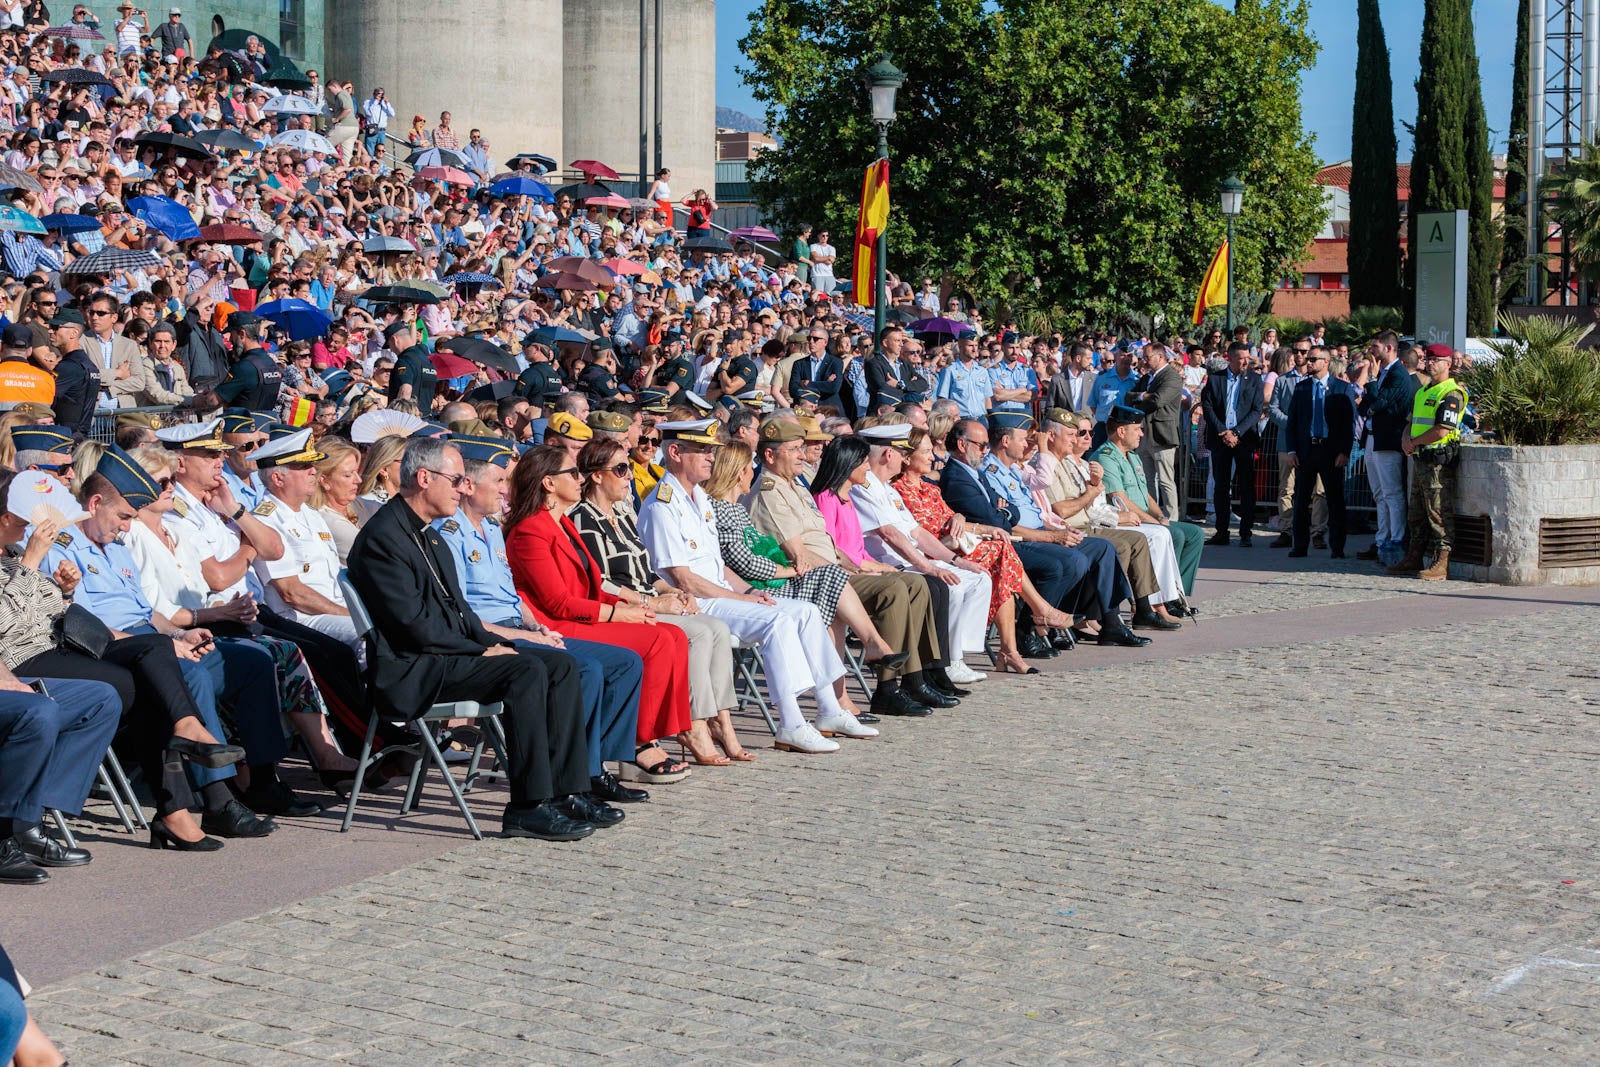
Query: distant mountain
(729, 119)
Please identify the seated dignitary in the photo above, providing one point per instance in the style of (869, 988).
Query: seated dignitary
(609, 676)
(240, 674)
(680, 535)
(161, 724)
(1128, 491)
(900, 605)
(892, 536)
(53, 734)
(244, 432)
(43, 448)
(1074, 491)
(428, 645)
(1074, 573)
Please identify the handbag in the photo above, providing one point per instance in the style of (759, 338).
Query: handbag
(80, 630)
(963, 545)
(767, 548)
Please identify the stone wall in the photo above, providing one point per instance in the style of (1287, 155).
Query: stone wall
(1516, 486)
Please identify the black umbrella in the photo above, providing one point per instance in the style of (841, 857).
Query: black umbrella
(707, 244)
(545, 163)
(226, 141)
(400, 294)
(901, 315)
(75, 76)
(583, 190)
(234, 41)
(480, 351)
(492, 391)
(285, 75)
(184, 146)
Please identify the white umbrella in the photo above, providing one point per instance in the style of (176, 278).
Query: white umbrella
(304, 141)
(288, 104)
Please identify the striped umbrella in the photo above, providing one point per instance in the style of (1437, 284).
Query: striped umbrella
(111, 260)
(74, 31)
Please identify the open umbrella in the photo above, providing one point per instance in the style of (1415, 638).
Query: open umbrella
(19, 179)
(623, 266)
(166, 215)
(288, 104)
(19, 221)
(480, 351)
(706, 244)
(900, 315)
(226, 141)
(554, 335)
(235, 40)
(74, 31)
(491, 391)
(521, 185)
(300, 319)
(111, 260)
(450, 365)
(643, 203)
(184, 146)
(437, 157)
(449, 175)
(609, 200)
(75, 76)
(68, 222)
(383, 246)
(229, 233)
(582, 190)
(304, 141)
(587, 269)
(938, 326)
(754, 233)
(285, 75)
(472, 281)
(593, 168)
(572, 282)
(400, 294)
(543, 163)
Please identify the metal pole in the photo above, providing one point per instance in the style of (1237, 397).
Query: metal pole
(644, 72)
(1590, 82)
(1230, 280)
(880, 308)
(658, 88)
(1537, 21)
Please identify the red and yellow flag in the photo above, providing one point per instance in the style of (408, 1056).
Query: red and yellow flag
(871, 222)
(1214, 288)
(300, 411)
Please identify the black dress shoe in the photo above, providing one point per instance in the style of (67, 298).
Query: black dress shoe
(1149, 620)
(1368, 554)
(582, 807)
(935, 678)
(546, 821)
(1032, 646)
(1297, 553)
(1244, 541)
(867, 717)
(605, 786)
(1218, 540)
(1319, 541)
(1119, 634)
(275, 798)
(1061, 640)
(1281, 541)
(16, 868)
(1336, 555)
(923, 695)
(897, 703)
(45, 851)
(236, 820)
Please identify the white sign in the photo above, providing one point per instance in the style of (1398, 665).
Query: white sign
(1442, 278)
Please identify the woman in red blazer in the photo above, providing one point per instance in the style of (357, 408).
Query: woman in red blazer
(560, 582)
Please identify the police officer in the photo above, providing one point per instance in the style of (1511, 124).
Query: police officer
(609, 676)
(256, 378)
(541, 376)
(414, 376)
(1433, 441)
(77, 378)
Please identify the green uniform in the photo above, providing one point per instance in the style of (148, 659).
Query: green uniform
(1430, 511)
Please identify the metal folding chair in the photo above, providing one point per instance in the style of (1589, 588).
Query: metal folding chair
(120, 792)
(457, 709)
(746, 661)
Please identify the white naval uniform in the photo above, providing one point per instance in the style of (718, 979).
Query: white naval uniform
(679, 530)
(877, 506)
(310, 555)
(213, 537)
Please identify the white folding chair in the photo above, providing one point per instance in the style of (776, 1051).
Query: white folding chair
(456, 709)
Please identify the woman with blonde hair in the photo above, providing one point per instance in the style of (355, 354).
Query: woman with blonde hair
(338, 485)
(380, 476)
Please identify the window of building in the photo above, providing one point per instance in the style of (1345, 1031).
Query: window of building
(291, 13)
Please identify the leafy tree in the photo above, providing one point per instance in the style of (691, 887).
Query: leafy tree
(1048, 154)
(1575, 204)
(1515, 234)
(1374, 251)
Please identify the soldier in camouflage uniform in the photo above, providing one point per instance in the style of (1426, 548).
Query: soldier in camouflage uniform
(1433, 442)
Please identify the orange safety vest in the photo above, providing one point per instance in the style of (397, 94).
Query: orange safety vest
(21, 382)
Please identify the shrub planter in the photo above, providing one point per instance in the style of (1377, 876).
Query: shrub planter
(1542, 506)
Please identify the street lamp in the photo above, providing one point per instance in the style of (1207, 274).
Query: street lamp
(882, 79)
(1231, 192)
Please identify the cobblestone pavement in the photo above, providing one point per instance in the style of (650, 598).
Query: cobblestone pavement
(1291, 854)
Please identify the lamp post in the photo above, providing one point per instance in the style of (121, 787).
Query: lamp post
(882, 79)
(1231, 192)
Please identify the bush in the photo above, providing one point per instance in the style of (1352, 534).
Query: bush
(1542, 389)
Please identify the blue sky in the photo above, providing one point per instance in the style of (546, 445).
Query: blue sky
(1325, 91)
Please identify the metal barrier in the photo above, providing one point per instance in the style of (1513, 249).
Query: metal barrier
(1197, 497)
(104, 427)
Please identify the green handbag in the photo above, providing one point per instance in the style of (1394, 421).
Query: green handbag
(767, 548)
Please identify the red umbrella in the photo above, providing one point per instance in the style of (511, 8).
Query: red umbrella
(560, 280)
(593, 168)
(609, 200)
(623, 266)
(447, 174)
(229, 233)
(450, 366)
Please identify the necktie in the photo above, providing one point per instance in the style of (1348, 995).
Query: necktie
(1319, 425)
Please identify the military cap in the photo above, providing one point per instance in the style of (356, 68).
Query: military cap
(495, 450)
(609, 421)
(285, 449)
(68, 317)
(206, 436)
(127, 477)
(566, 424)
(56, 439)
(781, 431)
(1122, 415)
(1061, 417)
(1000, 421)
(653, 401)
(888, 396)
(895, 436)
(691, 431)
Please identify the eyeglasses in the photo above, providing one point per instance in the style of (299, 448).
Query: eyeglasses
(100, 313)
(649, 440)
(455, 480)
(574, 471)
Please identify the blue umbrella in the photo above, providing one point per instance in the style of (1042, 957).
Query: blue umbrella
(13, 218)
(519, 185)
(552, 335)
(471, 278)
(300, 319)
(68, 222)
(166, 215)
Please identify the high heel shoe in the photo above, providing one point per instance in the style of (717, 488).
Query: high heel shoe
(202, 754)
(892, 662)
(687, 754)
(341, 782)
(1012, 663)
(740, 756)
(162, 838)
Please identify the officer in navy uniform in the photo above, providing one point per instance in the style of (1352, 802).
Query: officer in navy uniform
(609, 676)
(414, 376)
(44, 448)
(77, 377)
(675, 376)
(540, 377)
(256, 378)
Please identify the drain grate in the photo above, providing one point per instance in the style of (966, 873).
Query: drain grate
(1569, 542)
(1473, 542)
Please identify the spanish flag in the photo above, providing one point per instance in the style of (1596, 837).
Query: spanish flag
(871, 222)
(1214, 289)
(299, 411)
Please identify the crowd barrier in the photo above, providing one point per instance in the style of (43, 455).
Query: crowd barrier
(104, 427)
(1197, 483)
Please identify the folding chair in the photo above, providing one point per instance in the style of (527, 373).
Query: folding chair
(119, 790)
(458, 709)
(852, 660)
(745, 686)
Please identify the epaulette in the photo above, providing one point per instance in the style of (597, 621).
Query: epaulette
(180, 507)
(64, 538)
(449, 526)
(664, 493)
(768, 483)
(493, 520)
(266, 507)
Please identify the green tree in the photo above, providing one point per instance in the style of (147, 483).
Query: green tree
(1515, 246)
(1574, 203)
(1451, 169)
(1374, 257)
(1062, 154)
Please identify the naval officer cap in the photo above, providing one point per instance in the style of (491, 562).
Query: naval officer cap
(203, 436)
(689, 431)
(895, 436)
(293, 448)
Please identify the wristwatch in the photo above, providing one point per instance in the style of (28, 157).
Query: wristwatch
(236, 515)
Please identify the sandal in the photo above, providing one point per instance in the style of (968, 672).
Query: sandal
(662, 772)
(736, 752)
(686, 749)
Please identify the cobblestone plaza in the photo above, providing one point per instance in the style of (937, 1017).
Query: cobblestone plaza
(1270, 836)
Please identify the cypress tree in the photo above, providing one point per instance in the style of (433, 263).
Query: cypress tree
(1516, 215)
(1450, 167)
(1374, 250)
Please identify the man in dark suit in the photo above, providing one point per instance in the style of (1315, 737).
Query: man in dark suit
(1321, 432)
(888, 368)
(1233, 408)
(430, 647)
(1386, 406)
(1159, 394)
(817, 370)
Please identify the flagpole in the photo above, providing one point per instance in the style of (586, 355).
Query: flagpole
(882, 80)
(880, 310)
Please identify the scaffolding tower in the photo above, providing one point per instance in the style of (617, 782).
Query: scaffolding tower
(1563, 113)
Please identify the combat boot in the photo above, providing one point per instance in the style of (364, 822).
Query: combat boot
(1440, 569)
(1408, 566)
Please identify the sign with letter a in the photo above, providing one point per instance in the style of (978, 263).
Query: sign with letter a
(1442, 278)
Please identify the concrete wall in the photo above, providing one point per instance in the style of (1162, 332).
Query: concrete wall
(494, 64)
(258, 16)
(1516, 486)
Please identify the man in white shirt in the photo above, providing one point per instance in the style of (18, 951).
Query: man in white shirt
(822, 256)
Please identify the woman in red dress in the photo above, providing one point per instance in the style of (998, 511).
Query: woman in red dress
(994, 553)
(559, 581)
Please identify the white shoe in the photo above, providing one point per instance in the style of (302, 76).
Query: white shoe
(804, 738)
(961, 674)
(843, 723)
